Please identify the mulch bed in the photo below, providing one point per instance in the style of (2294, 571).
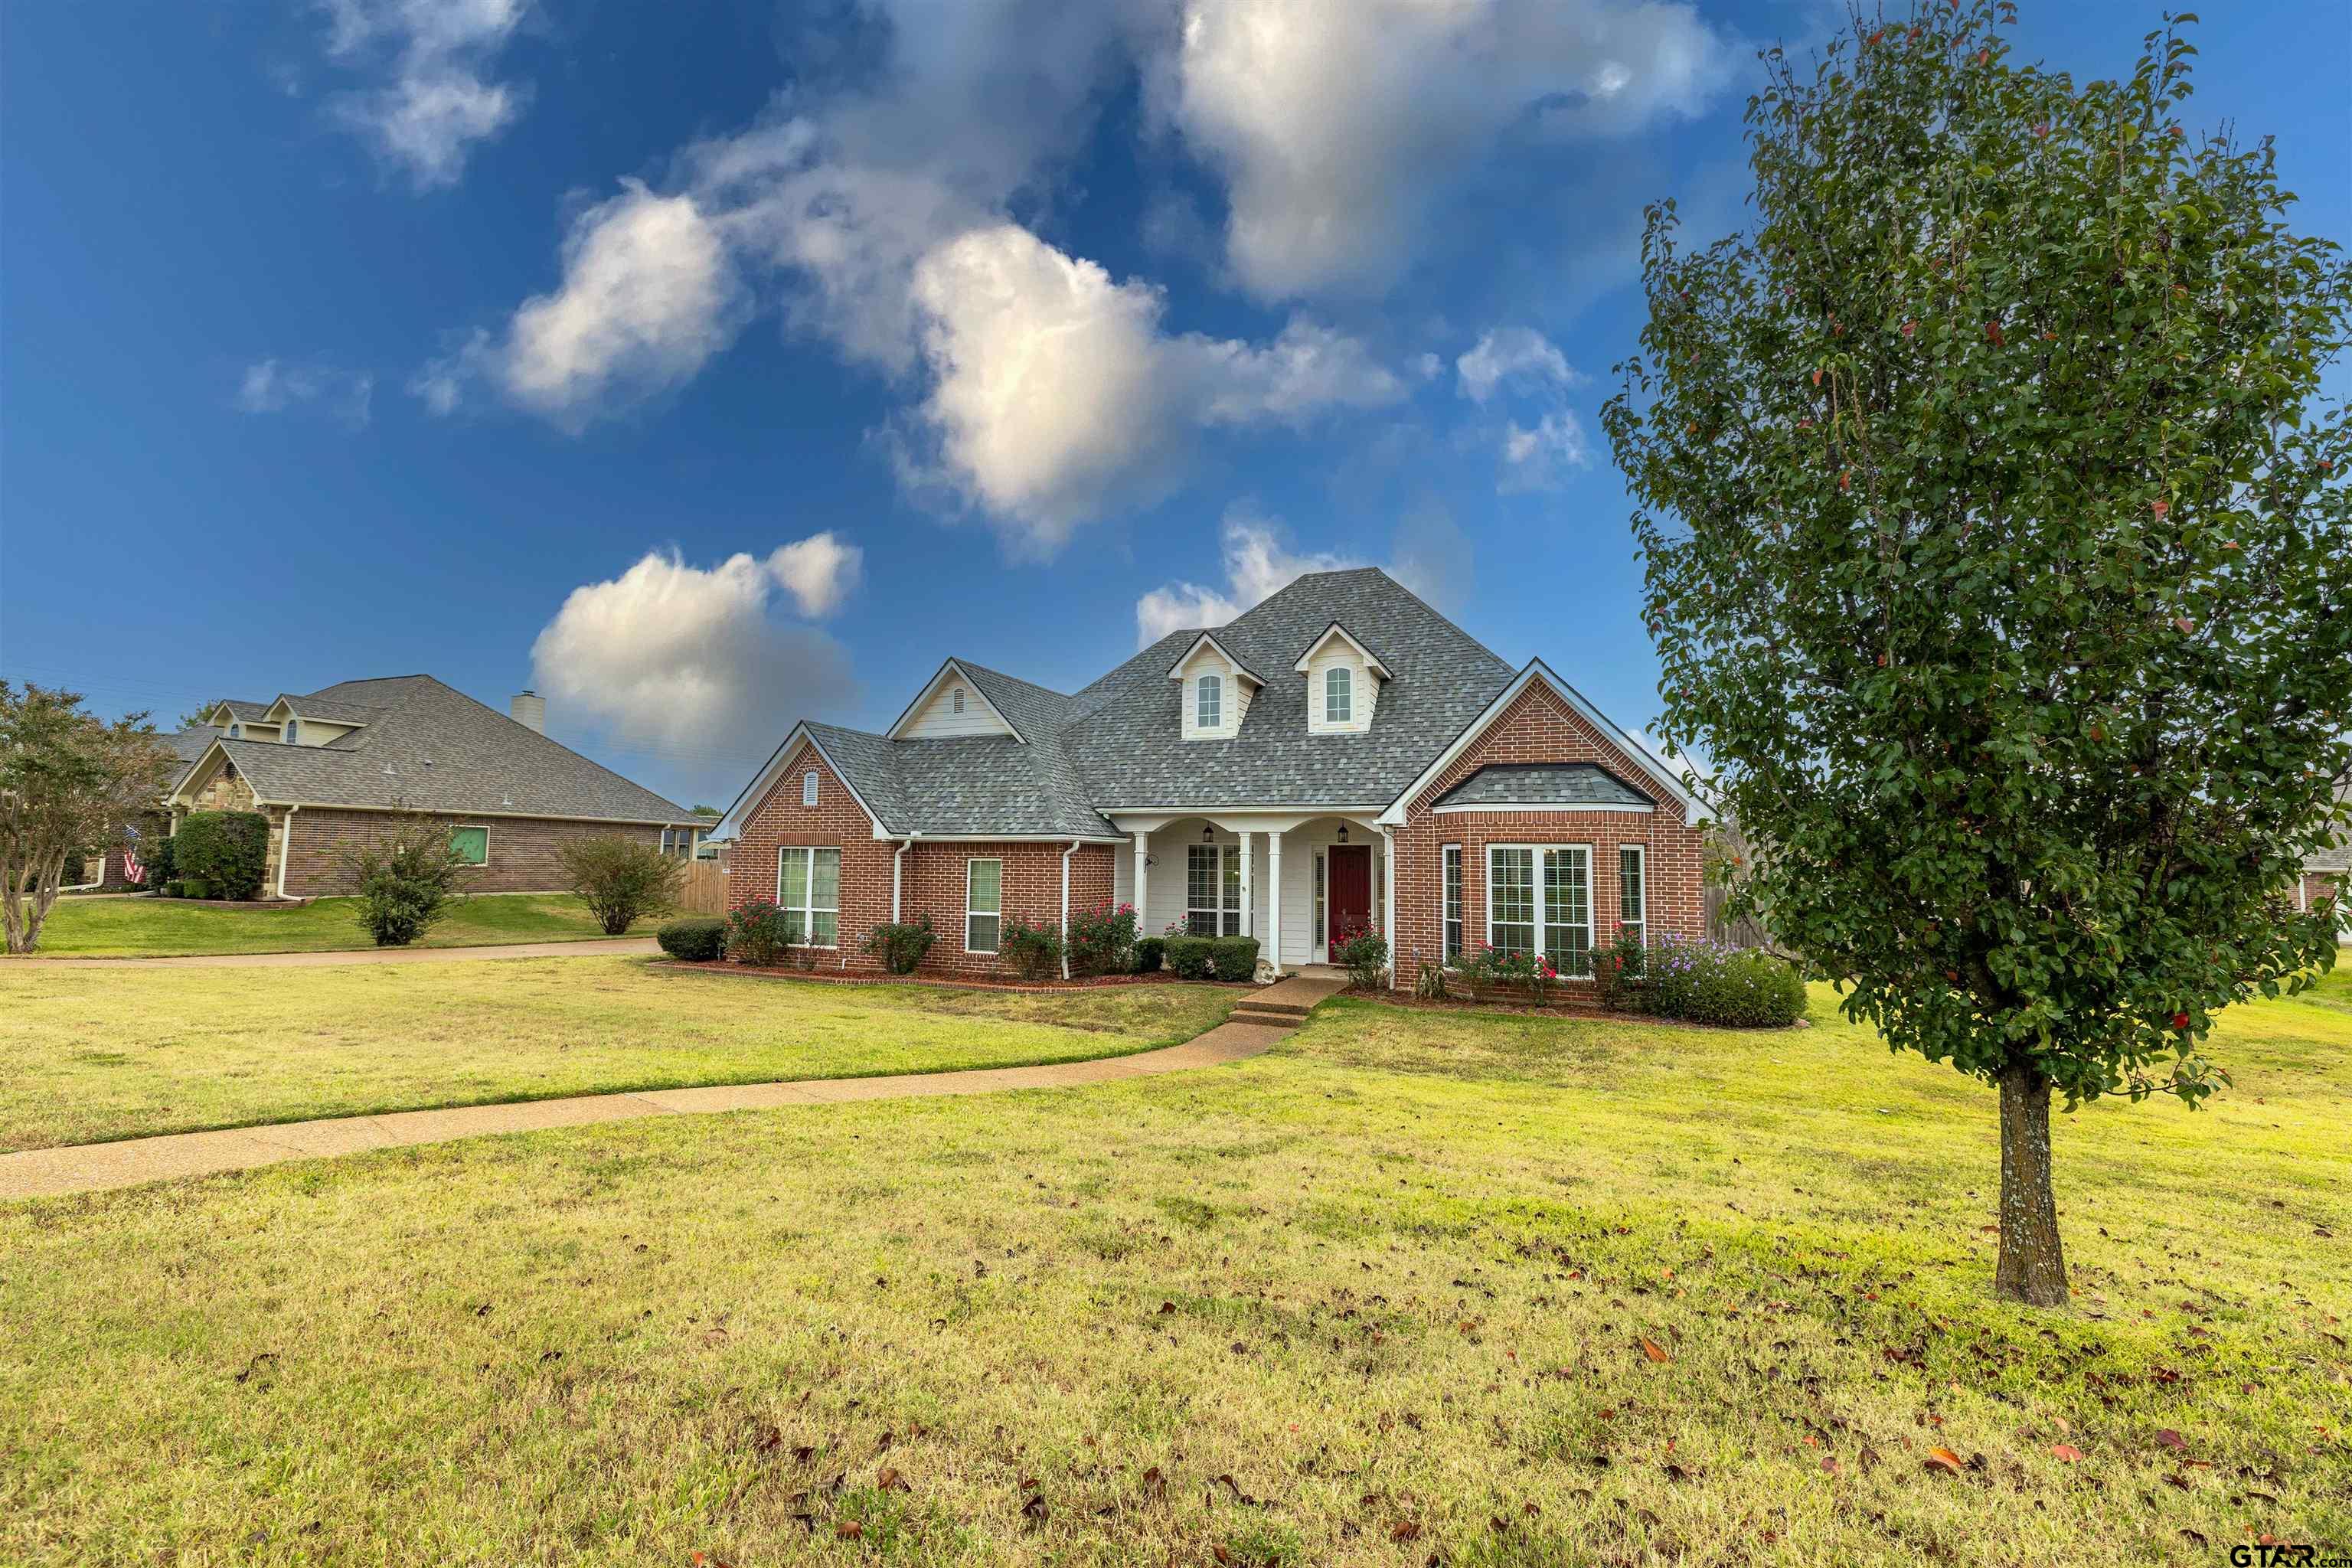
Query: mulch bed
(1590, 1011)
(1100, 983)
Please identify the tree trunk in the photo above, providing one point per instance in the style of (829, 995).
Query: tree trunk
(2032, 1267)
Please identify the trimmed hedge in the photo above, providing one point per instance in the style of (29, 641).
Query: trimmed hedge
(697, 939)
(225, 850)
(1150, 952)
(1233, 957)
(1189, 956)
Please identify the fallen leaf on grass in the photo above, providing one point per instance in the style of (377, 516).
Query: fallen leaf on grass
(849, 1530)
(1405, 1530)
(1651, 1348)
(2172, 1439)
(1833, 1466)
(2067, 1453)
(1943, 1460)
(891, 1481)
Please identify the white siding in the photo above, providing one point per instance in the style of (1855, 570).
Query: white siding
(1236, 695)
(1336, 653)
(939, 721)
(1300, 939)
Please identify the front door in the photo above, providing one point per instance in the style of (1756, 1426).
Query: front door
(1351, 897)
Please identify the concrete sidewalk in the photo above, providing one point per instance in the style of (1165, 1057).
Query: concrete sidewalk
(586, 947)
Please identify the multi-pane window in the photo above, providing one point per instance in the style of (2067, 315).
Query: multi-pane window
(1208, 702)
(677, 842)
(1632, 892)
(1339, 695)
(808, 787)
(1539, 902)
(293, 731)
(808, 892)
(1322, 929)
(983, 905)
(1452, 903)
(472, 845)
(1511, 900)
(1213, 889)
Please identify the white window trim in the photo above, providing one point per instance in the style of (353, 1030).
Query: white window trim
(1345, 680)
(808, 908)
(292, 731)
(1229, 858)
(456, 827)
(1450, 901)
(1643, 851)
(809, 787)
(998, 913)
(1536, 870)
(955, 699)
(1207, 685)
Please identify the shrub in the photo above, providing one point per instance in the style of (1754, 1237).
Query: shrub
(1150, 951)
(1429, 980)
(1233, 957)
(1189, 956)
(404, 880)
(1365, 956)
(902, 946)
(1704, 983)
(225, 849)
(158, 861)
(1034, 950)
(1617, 974)
(757, 933)
(1102, 940)
(621, 880)
(697, 939)
(194, 888)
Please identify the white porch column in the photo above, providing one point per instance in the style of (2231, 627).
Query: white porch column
(1273, 948)
(1142, 865)
(1246, 921)
(1387, 900)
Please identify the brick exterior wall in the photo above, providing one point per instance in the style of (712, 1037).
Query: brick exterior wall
(1538, 727)
(933, 873)
(2318, 885)
(522, 849)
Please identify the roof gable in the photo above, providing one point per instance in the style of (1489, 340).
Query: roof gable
(1371, 660)
(1208, 640)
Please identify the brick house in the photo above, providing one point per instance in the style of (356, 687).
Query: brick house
(2328, 874)
(1341, 756)
(343, 763)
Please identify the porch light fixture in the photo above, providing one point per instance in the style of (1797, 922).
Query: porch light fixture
(1208, 833)
(1343, 832)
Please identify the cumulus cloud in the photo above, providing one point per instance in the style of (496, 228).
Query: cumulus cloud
(1536, 458)
(649, 293)
(1339, 124)
(1429, 555)
(277, 386)
(1522, 366)
(673, 655)
(440, 99)
(1511, 354)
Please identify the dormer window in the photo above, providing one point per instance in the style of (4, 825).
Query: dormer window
(1208, 702)
(237, 732)
(1339, 695)
(959, 699)
(293, 731)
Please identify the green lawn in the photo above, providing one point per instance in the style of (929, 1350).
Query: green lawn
(90, 1054)
(161, 928)
(1379, 1297)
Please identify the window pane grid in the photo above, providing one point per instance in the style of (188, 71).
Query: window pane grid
(1213, 889)
(1568, 911)
(1511, 900)
(1338, 695)
(808, 896)
(1453, 901)
(1210, 712)
(983, 905)
(1633, 891)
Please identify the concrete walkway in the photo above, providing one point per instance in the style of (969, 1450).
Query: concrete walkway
(98, 1167)
(587, 947)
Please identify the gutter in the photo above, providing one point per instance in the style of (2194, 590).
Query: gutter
(897, 880)
(1065, 905)
(285, 847)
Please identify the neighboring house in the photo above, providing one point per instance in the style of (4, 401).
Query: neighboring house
(2328, 874)
(340, 764)
(1341, 756)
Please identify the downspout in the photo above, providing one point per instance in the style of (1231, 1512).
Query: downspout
(285, 847)
(1065, 907)
(897, 873)
(1388, 899)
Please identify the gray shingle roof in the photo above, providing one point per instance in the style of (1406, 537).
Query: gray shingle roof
(1543, 784)
(1118, 742)
(444, 752)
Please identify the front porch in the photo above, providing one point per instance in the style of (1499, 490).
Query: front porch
(1296, 881)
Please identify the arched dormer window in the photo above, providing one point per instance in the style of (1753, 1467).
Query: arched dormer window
(1339, 695)
(808, 787)
(1208, 702)
(293, 731)
(957, 697)
(237, 732)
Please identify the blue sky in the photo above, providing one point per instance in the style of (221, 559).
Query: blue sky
(482, 337)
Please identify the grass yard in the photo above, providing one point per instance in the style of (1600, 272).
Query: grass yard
(90, 1054)
(164, 928)
(1475, 1289)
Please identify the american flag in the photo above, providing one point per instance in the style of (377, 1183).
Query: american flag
(133, 871)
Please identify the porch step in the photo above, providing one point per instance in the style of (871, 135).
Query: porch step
(1271, 1012)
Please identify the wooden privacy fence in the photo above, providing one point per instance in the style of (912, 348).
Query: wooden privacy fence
(1734, 933)
(704, 890)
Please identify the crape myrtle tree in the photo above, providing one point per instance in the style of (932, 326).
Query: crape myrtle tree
(1997, 551)
(70, 784)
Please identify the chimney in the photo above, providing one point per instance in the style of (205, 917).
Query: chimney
(528, 708)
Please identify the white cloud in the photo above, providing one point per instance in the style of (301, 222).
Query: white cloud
(1054, 392)
(1534, 457)
(649, 293)
(276, 387)
(819, 572)
(440, 99)
(667, 654)
(1339, 124)
(1513, 354)
(1428, 555)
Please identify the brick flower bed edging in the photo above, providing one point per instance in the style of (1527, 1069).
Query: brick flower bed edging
(1100, 983)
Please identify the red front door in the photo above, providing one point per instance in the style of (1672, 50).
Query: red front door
(1350, 896)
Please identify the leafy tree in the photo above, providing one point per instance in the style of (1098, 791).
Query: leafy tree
(1999, 553)
(403, 881)
(69, 785)
(621, 880)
